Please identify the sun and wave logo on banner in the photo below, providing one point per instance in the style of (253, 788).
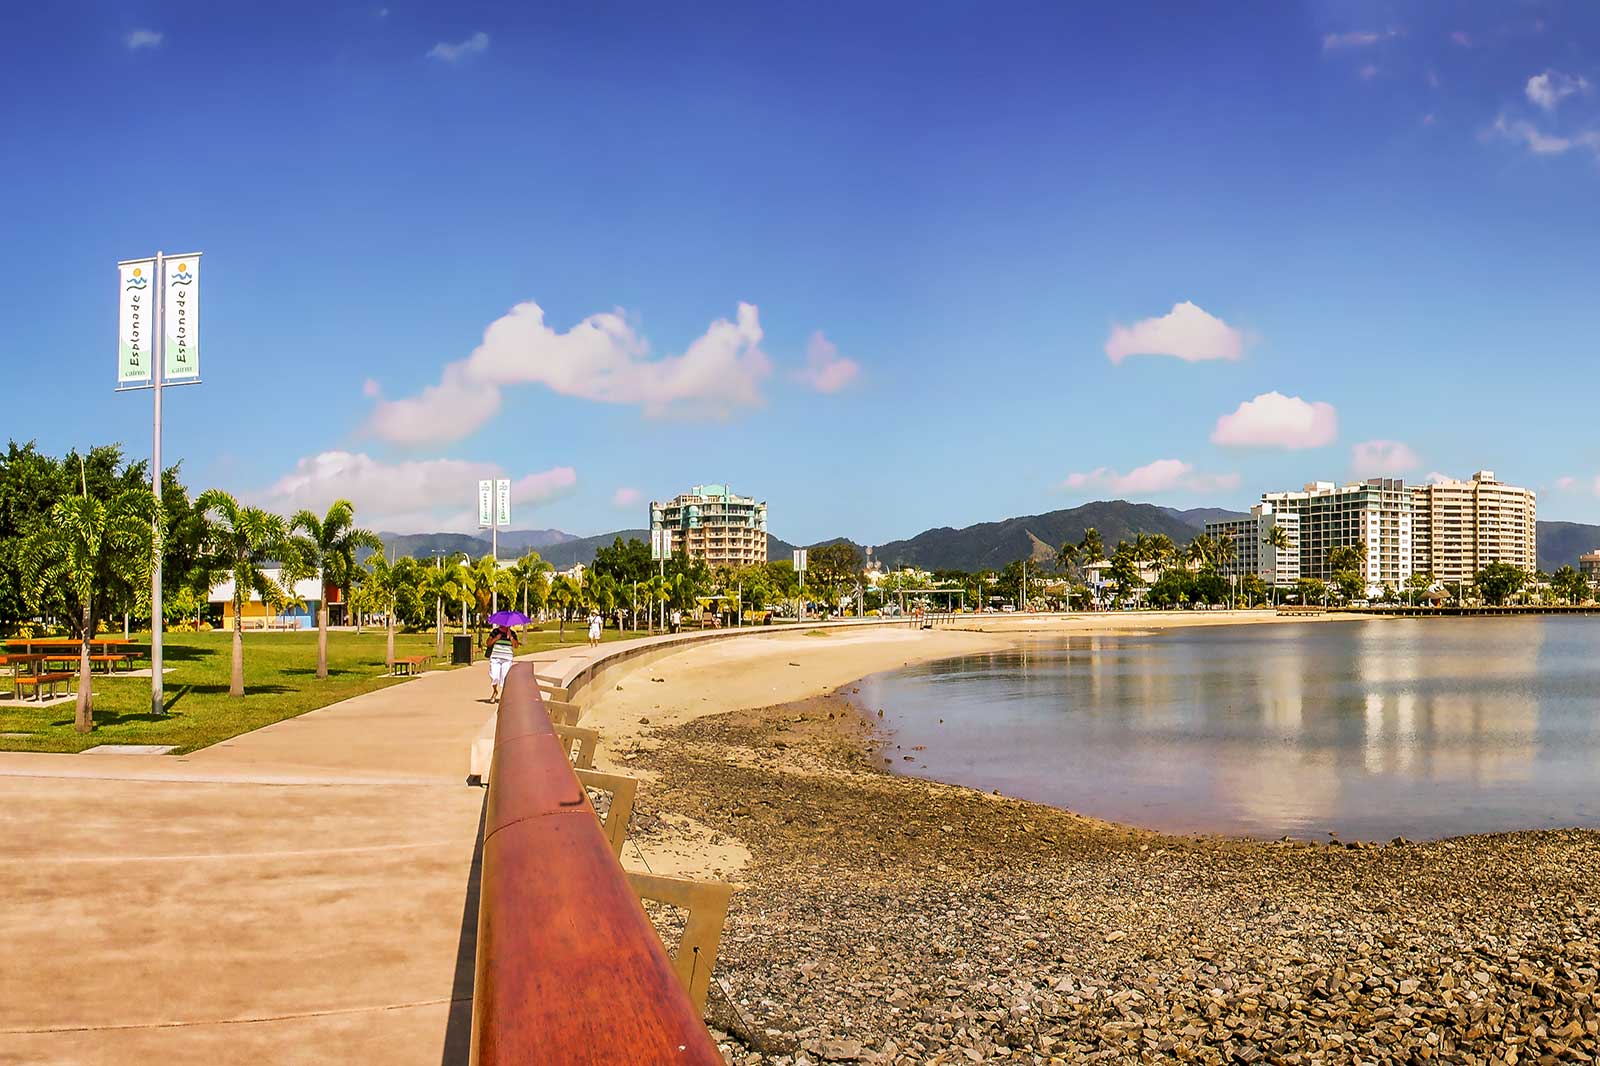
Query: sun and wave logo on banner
(137, 280)
(182, 277)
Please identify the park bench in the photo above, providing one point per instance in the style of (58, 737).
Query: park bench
(411, 664)
(37, 682)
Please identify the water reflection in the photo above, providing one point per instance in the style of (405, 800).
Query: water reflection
(1415, 727)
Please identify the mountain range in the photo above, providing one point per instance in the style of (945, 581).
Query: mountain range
(985, 546)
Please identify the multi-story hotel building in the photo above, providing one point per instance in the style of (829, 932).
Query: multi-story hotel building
(1253, 552)
(1589, 564)
(1375, 513)
(713, 524)
(1459, 527)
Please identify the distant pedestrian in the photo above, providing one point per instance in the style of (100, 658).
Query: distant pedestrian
(501, 647)
(595, 623)
(677, 620)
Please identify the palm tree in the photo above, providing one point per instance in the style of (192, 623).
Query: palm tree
(241, 538)
(529, 572)
(86, 547)
(1202, 551)
(334, 541)
(1278, 539)
(383, 584)
(1090, 551)
(441, 583)
(565, 593)
(486, 580)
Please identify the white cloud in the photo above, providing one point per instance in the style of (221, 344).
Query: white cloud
(600, 359)
(137, 39)
(1436, 478)
(826, 370)
(1539, 142)
(1461, 38)
(453, 53)
(423, 495)
(1368, 72)
(1547, 90)
(1186, 332)
(626, 497)
(1566, 483)
(1273, 420)
(1371, 458)
(1163, 475)
(1356, 39)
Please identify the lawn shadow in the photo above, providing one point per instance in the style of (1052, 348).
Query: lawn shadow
(183, 653)
(250, 689)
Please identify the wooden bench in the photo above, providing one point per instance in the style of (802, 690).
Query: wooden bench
(37, 682)
(411, 665)
(110, 661)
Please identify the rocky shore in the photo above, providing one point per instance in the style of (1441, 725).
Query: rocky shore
(887, 919)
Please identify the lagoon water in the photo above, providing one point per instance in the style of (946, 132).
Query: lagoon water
(1422, 728)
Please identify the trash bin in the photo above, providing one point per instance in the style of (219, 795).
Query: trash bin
(461, 650)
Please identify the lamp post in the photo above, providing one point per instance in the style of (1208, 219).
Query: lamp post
(468, 558)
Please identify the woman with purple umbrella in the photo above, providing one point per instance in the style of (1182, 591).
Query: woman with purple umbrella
(501, 647)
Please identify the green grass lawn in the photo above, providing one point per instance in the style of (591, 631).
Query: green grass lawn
(280, 680)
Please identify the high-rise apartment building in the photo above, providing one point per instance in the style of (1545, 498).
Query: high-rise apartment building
(1459, 527)
(1375, 513)
(1253, 550)
(711, 523)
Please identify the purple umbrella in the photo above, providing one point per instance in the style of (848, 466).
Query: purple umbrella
(508, 618)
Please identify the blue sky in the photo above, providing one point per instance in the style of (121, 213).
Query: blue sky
(885, 268)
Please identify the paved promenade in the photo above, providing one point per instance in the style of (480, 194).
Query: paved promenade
(294, 895)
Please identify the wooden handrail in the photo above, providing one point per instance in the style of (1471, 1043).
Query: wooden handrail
(569, 968)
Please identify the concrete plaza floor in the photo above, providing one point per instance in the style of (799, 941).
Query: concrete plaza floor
(299, 894)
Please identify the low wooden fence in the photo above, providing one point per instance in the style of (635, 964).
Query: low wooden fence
(569, 968)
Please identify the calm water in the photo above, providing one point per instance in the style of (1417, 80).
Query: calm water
(1421, 728)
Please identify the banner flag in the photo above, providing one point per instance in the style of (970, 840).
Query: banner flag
(502, 503)
(136, 295)
(180, 318)
(485, 504)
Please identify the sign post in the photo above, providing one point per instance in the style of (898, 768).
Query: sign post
(494, 511)
(660, 549)
(158, 345)
(800, 568)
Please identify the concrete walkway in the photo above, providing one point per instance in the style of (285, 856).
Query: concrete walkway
(299, 894)
(294, 895)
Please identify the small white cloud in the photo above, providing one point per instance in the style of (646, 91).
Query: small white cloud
(1356, 39)
(1186, 332)
(1436, 478)
(371, 389)
(410, 496)
(1372, 458)
(826, 370)
(1368, 72)
(1273, 420)
(137, 39)
(601, 359)
(1566, 484)
(1547, 90)
(1537, 141)
(1163, 475)
(625, 497)
(477, 44)
(1461, 38)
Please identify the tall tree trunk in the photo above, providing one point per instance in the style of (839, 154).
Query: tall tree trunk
(236, 682)
(83, 721)
(322, 636)
(438, 626)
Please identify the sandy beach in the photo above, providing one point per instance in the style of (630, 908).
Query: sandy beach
(880, 918)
